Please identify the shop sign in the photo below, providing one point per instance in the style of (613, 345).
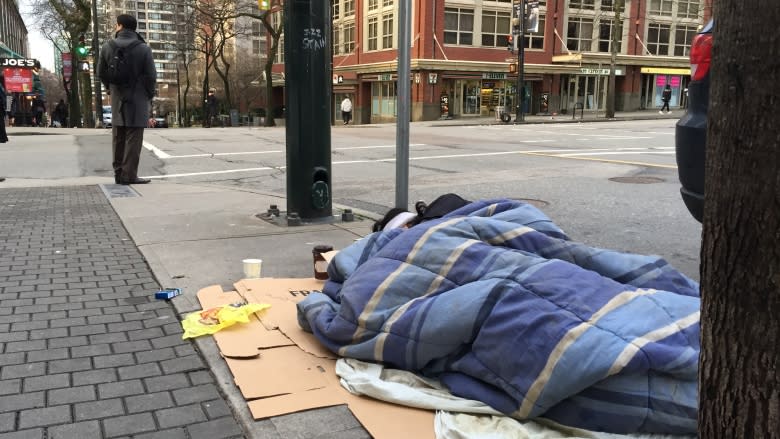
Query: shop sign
(593, 71)
(18, 80)
(664, 71)
(17, 62)
(385, 77)
(433, 78)
(493, 75)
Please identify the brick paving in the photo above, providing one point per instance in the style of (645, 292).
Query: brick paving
(85, 349)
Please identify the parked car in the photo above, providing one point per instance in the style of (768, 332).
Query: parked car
(107, 116)
(160, 122)
(691, 131)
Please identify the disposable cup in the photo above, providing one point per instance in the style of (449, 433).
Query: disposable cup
(252, 268)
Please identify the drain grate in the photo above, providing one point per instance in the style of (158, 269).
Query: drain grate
(118, 191)
(637, 180)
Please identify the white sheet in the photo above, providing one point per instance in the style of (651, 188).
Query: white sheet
(456, 418)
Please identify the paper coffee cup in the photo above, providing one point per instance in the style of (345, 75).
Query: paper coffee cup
(252, 268)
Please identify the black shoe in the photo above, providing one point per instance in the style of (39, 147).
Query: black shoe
(136, 181)
(2, 179)
(117, 180)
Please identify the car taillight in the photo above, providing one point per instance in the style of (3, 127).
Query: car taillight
(701, 55)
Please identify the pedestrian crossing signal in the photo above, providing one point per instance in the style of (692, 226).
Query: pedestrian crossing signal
(509, 43)
(263, 5)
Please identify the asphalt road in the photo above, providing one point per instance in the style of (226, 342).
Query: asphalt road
(608, 184)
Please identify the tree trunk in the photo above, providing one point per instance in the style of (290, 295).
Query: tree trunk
(739, 371)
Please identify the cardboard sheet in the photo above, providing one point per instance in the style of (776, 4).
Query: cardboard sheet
(281, 369)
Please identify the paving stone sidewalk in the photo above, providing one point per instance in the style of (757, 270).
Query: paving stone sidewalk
(85, 349)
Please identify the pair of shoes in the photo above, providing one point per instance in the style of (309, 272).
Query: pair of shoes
(136, 181)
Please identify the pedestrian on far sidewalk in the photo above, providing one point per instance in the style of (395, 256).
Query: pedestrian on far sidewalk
(211, 108)
(131, 99)
(346, 110)
(666, 96)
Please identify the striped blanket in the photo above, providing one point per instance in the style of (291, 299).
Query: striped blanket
(495, 301)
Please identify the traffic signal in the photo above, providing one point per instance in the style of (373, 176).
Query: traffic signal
(263, 4)
(509, 44)
(81, 49)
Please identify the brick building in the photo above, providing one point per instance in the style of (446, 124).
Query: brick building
(459, 52)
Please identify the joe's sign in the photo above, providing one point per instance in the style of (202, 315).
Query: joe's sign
(17, 62)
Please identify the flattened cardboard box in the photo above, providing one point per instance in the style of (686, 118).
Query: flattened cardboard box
(281, 369)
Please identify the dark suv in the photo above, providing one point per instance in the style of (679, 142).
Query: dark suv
(691, 133)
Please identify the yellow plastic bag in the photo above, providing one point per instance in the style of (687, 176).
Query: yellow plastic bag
(212, 320)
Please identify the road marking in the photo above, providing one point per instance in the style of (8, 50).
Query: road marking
(614, 153)
(163, 155)
(578, 155)
(157, 151)
(227, 171)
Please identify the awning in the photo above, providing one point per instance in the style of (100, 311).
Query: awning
(6, 51)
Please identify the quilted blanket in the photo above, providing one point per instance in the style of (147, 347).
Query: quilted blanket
(495, 301)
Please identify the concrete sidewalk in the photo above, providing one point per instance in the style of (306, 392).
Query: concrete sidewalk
(85, 349)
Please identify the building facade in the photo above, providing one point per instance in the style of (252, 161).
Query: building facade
(13, 32)
(461, 66)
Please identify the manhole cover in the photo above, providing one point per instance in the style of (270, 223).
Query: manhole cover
(637, 180)
(533, 202)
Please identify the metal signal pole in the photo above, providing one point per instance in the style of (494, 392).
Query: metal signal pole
(95, 59)
(519, 29)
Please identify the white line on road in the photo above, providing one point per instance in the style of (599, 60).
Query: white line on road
(157, 151)
(163, 155)
(547, 153)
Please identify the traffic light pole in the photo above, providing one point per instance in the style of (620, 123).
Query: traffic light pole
(95, 59)
(308, 84)
(520, 7)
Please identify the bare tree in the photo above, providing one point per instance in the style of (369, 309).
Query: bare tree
(739, 366)
(274, 31)
(62, 22)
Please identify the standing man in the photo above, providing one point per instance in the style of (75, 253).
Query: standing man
(666, 96)
(346, 110)
(128, 56)
(211, 107)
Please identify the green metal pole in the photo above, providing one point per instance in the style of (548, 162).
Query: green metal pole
(307, 66)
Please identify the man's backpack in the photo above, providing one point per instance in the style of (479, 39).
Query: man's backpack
(120, 65)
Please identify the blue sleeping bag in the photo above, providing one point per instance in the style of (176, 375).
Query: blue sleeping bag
(495, 301)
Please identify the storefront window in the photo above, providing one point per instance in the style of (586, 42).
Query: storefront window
(471, 97)
(383, 98)
(660, 83)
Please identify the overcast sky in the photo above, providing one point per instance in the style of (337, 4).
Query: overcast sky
(40, 48)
